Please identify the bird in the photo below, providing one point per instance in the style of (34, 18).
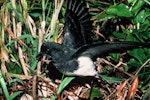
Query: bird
(76, 55)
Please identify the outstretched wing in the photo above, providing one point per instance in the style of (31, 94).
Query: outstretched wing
(103, 49)
(78, 26)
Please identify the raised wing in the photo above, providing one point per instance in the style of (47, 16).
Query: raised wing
(78, 26)
(103, 49)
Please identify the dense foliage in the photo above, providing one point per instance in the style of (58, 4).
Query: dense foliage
(25, 25)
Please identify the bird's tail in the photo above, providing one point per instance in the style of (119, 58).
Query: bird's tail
(103, 49)
(124, 45)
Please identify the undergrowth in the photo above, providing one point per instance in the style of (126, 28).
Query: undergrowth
(25, 25)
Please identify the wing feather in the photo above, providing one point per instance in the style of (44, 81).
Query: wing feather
(78, 26)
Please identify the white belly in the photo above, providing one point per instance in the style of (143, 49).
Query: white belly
(86, 67)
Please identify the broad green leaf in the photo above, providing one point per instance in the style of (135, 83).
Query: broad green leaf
(120, 10)
(112, 10)
(131, 37)
(138, 54)
(123, 11)
(140, 17)
(132, 62)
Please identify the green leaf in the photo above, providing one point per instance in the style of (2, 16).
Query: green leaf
(64, 83)
(112, 10)
(132, 62)
(105, 16)
(144, 26)
(146, 82)
(15, 94)
(34, 65)
(146, 94)
(123, 11)
(16, 80)
(118, 35)
(138, 54)
(126, 68)
(138, 5)
(115, 56)
(131, 1)
(131, 37)
(95, 93)
(120, 10)
(140, 18)
(35, 14)
(4, 87)
(55, 35)
(111, 79)
(146, 35)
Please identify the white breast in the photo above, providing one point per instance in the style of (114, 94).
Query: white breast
(86, 67)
